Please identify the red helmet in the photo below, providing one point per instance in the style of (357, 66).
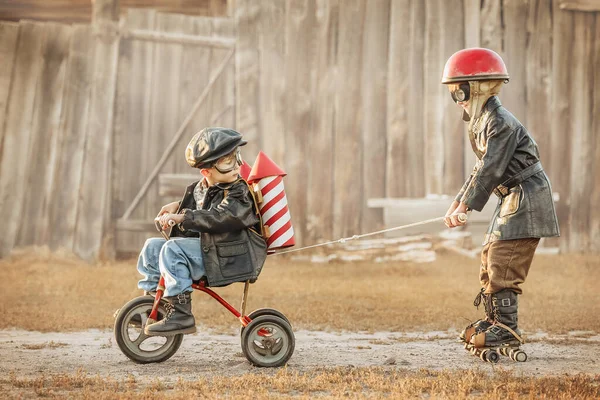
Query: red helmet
(475, 64)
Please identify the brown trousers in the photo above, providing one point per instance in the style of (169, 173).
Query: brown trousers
(505, 264)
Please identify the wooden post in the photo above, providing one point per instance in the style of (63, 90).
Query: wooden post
(374, 107)
(74, 121)
(300, 21)
(17, 128)
(472, 12)
(560, 140)
(405, 153)
(584, 140)
(348, 154)
(319, 209)
(45, 145)
(595, 199)
(515, 56)
(9, 32)
(248, 75)
(94, 225)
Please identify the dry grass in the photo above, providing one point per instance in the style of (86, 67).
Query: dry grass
(48, 293)
(46, 345)
(323, 383)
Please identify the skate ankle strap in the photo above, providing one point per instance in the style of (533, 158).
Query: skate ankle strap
(501, 325)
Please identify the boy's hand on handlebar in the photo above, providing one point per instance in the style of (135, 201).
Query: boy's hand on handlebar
(165, 218)
(170, 208)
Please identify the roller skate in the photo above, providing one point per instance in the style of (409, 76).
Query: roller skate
(503, 337)
(479, 325)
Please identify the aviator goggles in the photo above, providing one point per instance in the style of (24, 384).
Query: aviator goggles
(229, 162)
(461, 93)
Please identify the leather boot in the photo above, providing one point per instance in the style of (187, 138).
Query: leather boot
(179, 318)
(505, 329)
(481, 324)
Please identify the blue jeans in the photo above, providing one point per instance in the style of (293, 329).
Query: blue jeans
(179, 260)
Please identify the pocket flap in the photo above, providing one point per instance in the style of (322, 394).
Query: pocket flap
(232, 249)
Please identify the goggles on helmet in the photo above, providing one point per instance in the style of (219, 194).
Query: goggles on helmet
(461, 93)
(229, 162)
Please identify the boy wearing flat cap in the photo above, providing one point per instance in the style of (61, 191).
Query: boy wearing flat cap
(216, 236)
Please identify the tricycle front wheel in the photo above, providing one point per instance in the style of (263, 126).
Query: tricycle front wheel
(133, 342)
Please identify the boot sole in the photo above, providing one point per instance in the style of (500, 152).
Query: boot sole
(184, 331)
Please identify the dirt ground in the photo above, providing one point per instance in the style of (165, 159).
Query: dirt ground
(29, 354)
(388, 320)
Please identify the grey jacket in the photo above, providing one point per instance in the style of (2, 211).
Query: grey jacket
(228, 226)
(509, 165)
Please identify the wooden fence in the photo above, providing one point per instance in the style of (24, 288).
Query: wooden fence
(344, 95)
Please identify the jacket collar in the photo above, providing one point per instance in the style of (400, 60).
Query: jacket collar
(491, 104)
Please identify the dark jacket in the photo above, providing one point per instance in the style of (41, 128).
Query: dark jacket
(228, 226)
(509, 165)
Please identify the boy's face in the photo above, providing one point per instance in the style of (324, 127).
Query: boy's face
(225, 170)
(460, 91)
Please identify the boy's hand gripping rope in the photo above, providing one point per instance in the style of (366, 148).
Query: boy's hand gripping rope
(461, 217)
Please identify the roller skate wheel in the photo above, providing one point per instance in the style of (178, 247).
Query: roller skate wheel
(467, 346)
(503, 351)
(492, 356)
(519, 356)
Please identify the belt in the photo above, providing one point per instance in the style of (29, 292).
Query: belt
(504, 187)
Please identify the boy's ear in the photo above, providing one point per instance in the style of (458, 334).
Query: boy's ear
(205, 172)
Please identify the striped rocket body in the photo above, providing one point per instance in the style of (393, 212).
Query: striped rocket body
(275, 213)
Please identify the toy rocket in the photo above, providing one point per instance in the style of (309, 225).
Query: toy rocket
(267, 180)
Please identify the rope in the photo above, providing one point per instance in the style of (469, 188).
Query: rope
(344, 240)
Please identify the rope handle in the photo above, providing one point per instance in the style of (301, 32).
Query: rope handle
(462, 217)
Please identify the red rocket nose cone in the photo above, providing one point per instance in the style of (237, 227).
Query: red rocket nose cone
(263, 167)
(245, 170)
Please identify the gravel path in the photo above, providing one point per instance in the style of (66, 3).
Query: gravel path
(30, 354)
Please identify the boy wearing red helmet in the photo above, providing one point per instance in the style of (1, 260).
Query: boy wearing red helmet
(215, 236)
(508, 165)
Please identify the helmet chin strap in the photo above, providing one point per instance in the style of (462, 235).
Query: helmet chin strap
(481, 91)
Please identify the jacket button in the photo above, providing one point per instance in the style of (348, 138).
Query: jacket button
(206, 249)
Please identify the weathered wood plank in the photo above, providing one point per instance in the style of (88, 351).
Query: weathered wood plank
(175, 184)
(374, 108)
(348, 157)
(514, 95)
(300, 22)
(73, 123)
(580, 5)
(472, 16)
(176, 137)
(434, 98)
(164, 106)
(271, 25)
(132, 119)
(177, 38)
(492, 31)
(80, 11)
(194, 77)
(8, 44)
(222, 99)
(405, 156)
(18, 126)
(319, 208)
(247, 61)
(595, 198)
(539, 76)
(584, 141)
(94, 237)
(44, 146)
(559, 169)
(453, 127)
